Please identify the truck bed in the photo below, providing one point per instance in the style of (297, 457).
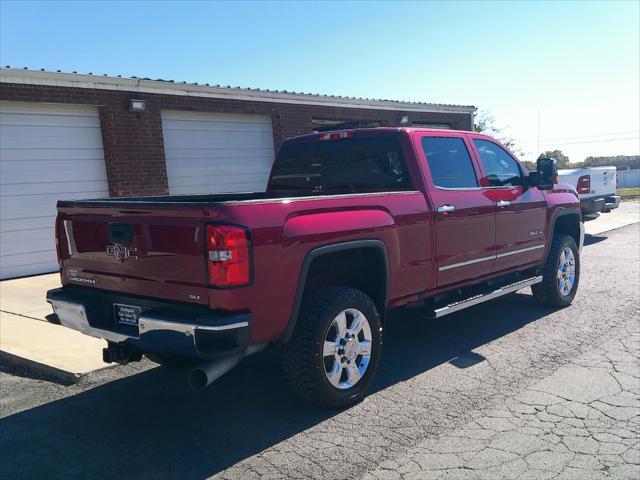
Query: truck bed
(202, 199)
(155, 246)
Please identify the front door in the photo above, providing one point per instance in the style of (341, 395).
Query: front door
(463, 215)
(520, 211)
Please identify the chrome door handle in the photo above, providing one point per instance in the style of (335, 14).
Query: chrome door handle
(446, 208)
(503, 203)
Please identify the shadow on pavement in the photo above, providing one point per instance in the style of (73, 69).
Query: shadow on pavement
(593, 239)
(151, 426)
(466, 360)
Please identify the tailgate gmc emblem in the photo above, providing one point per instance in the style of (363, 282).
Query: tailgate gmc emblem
(121, 252)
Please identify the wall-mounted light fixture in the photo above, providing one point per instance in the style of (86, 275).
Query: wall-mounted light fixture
(404, 119)
(136, 105)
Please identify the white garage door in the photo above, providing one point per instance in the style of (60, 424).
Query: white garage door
(47, 153)
(217, 152)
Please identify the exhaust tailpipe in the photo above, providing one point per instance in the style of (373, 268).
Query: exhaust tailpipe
(206, 373)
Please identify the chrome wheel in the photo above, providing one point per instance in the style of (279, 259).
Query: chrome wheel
(566, 271)
(347, 349)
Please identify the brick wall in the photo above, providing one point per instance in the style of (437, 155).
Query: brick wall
(133, 142)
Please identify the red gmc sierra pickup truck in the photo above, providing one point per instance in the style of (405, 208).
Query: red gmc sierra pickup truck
(352, 225)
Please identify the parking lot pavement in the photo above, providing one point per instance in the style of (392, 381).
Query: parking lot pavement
(506, 389)
(627, 213)
(581, 422)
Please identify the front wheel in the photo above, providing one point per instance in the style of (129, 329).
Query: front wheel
(334, 352)
(560, 274)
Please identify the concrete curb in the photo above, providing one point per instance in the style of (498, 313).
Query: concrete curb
(47, 372)
(49, 351)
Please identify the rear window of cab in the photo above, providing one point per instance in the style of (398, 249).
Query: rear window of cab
(345, 165)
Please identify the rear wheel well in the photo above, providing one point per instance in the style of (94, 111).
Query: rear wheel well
(569, 224)
(362, 268)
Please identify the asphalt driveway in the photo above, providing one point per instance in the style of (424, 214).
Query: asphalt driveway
(506, 389)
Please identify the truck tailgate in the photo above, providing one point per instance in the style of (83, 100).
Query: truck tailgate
(603, 180)
(138, 250)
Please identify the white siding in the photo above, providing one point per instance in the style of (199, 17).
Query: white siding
(47, 153)
(217, 152)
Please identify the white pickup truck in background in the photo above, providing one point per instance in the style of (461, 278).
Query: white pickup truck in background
(596, 187)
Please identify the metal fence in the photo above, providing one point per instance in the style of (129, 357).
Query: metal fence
(628, 178)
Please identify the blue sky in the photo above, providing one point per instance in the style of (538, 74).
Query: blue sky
(577, 63)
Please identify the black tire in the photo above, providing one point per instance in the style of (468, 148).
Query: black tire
(302, 357)
(548, 292)
(171, 360)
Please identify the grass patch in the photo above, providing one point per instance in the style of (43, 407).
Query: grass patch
(628, 191)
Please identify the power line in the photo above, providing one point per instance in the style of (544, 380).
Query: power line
(554, 142)
(531, 140)
(588, 141)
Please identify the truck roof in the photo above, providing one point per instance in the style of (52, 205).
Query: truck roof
(373, 132)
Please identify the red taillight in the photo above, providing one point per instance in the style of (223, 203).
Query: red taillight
(584, 184)
(55, 229)
(228, 256)
(336, 135)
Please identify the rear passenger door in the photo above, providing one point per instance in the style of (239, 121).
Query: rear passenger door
(464, 217)
(520, 211)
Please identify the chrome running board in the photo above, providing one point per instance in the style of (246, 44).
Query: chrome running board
(475, 300)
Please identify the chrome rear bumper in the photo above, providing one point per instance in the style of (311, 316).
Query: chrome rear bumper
(156, 331)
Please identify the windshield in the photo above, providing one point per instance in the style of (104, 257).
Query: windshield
(345, 165)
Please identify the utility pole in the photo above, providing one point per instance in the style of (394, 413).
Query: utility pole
(538, 154)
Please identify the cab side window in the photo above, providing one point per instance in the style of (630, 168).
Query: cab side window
(449, 162)
(501, 169)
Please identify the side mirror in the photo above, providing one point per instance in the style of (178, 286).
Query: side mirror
(546, 174)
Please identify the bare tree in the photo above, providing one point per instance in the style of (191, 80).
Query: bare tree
(486, 124)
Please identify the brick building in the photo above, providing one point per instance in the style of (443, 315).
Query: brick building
(69, 135)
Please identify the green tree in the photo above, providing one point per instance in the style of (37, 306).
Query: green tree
(485, 123)
(563, 160)
(621, 162)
